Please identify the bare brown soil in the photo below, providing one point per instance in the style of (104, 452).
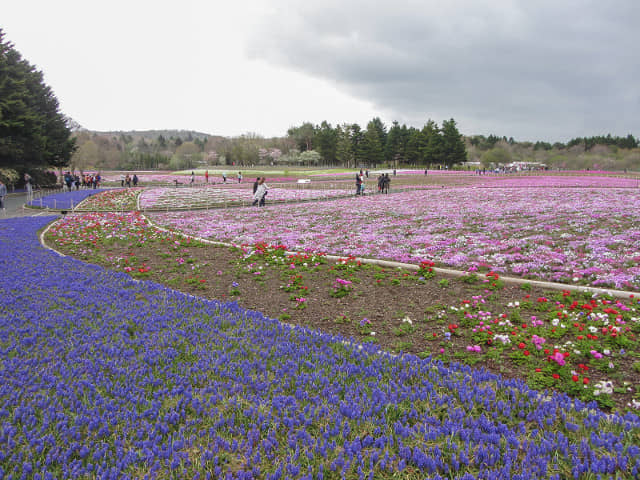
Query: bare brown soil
(401, 311)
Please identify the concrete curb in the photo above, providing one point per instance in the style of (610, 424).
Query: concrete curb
(445, 271)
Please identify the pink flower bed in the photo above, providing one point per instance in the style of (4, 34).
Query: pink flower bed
(585, 235)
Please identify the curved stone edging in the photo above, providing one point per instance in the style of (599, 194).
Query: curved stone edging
(42, 242)
(447, 271)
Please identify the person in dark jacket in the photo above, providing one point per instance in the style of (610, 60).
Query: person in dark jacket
(385, 183)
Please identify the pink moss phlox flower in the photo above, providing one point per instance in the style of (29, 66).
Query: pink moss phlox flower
(538, 341)
(558, 358)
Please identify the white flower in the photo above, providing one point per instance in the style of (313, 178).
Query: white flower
(603, 387)
(407, 320)
(373, 334)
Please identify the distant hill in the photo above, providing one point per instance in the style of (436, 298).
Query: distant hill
(154, 134)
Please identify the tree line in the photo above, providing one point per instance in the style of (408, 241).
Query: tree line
(348, 145)
(345, 145)
(34, 134)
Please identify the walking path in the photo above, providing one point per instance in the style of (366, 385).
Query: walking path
(14, 205)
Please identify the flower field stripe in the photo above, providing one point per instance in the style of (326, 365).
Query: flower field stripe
(62, 200)
(577, 236)
(106, 377)
(413, 266)
(166, 198)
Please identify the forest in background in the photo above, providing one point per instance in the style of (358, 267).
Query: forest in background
(349, 146)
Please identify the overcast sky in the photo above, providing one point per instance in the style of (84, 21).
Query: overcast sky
(534, 70)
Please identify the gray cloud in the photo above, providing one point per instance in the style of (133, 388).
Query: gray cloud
(531, 70)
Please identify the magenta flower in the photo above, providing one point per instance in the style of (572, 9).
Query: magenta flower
(558, 358)
(538, 341)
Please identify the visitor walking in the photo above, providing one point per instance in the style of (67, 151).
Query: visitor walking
(68, 180)
(385, 183)
(261, 193)
(135, 180)
(255, 185)
(358, 182)
(3, 193)
(239, 177)
(27, 183)
(206, 176)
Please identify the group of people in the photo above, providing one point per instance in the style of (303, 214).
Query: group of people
(383, 182)
(127, 180)
(86, 181)
(224, 177)
(260, 190)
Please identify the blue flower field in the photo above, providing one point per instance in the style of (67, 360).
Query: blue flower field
(103, 376)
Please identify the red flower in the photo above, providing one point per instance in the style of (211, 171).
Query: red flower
(556, 376)
(526, 353)
(574, 378)
(521, 345)
(585, 380)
